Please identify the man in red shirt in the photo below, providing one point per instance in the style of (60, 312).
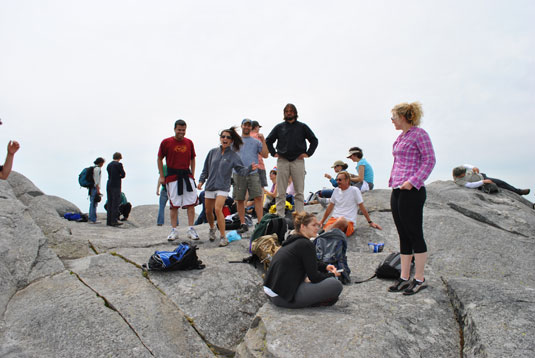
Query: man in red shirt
(179, 154)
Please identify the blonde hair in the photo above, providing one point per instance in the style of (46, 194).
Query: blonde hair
(412, 112)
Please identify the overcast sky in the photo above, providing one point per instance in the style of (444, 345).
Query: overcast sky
(82, 79)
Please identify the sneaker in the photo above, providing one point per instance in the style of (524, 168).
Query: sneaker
(243, 228)
(414, 287)
(399, 285)
(192, 234)
(94, 222)
(211, 234)
(223, 242)
(173, 235)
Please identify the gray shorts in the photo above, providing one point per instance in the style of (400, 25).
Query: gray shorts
(249, 183)
(263, 177)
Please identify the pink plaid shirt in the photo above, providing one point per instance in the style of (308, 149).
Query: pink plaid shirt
(414, 158)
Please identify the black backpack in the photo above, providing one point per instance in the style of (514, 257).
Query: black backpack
(270, 224)
(184, 257)
(390, 268)
(331, 248)
(85, 178)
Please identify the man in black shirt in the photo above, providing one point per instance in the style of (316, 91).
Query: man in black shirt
(113, 189)
(291, 136)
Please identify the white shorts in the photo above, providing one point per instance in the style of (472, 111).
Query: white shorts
(213, 194)
(188, 198)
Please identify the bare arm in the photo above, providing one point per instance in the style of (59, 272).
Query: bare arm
(360, 176)
(12, 148)
(265, 152)
(328, 212)
(192, 167)
(160, 170)
(367, 216)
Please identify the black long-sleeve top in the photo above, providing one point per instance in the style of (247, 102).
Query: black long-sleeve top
(291, 140)
(294, 261)
(115, 174)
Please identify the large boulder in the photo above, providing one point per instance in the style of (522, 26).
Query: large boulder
(478, 303)
(24, 252)
(24, 189)
(221, 300)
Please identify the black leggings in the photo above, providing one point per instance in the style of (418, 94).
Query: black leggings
(407, 210)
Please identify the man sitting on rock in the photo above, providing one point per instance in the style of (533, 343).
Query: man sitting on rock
(469, 176)
(344, 205)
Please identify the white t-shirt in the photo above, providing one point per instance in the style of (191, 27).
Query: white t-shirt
(96, 176)
(346, 203)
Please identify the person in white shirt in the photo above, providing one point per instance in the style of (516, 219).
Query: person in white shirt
(344, 205)
(469, 176)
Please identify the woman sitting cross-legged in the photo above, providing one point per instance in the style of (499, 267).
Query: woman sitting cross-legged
(296, 278)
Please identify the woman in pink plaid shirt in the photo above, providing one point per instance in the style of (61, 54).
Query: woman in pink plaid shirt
(414, 160)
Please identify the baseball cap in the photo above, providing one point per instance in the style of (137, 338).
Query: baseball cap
(247, 120)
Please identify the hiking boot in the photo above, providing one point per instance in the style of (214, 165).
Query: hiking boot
(243, 228)
(399, 285)
(211, 234)
(223, 242)
(173, 235)
(414, 287)
(192, 234)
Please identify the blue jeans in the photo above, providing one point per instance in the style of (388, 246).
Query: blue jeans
(161, 209)
(92, 204)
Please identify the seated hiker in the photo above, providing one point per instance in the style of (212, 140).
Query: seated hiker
(344, 205)
(469, 176)
(124, 207)
(364, 179)
(271, 195)
(338, 166)
(296, 279)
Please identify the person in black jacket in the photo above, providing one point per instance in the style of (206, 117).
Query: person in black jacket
(291, 136)
(113, 189)
(296, 278)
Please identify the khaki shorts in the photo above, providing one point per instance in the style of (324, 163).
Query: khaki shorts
(250, 183)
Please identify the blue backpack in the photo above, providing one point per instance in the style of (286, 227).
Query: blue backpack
(331, 248)
(85, 178)
(184, 257)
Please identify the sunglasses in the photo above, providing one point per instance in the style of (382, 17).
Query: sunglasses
(225, 137)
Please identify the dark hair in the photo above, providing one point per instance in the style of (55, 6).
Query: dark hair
(458, 171)
(273, 171)
(292, 106)
(302, 218)
(358, 150)
(180, 122)
(345, 166)
(236, 139)
(117, 155)
(99, 160)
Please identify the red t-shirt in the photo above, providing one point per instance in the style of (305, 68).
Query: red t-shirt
(178, 154)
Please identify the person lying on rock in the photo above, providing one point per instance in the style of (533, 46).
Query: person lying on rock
(344, 205)
(469, 176)
(296, 278)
